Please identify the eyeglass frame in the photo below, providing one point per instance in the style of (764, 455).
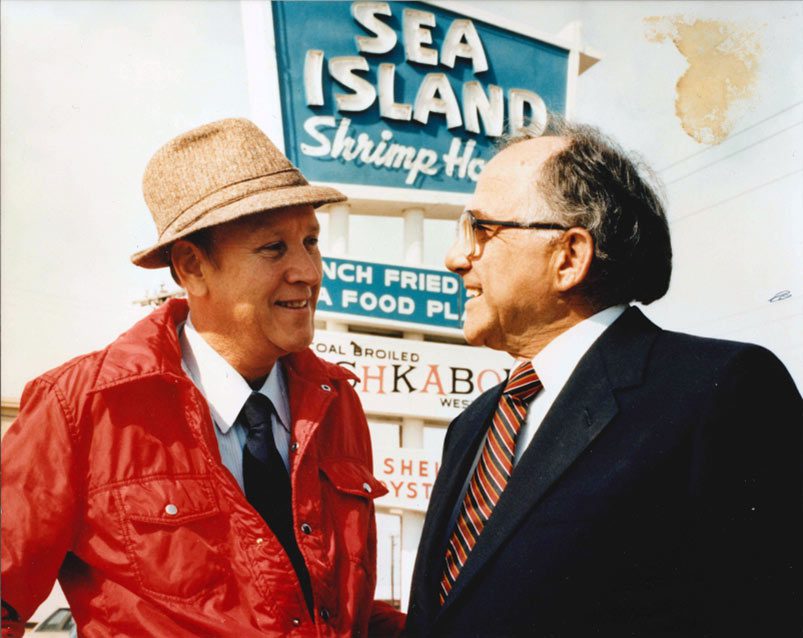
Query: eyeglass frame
(475, 223)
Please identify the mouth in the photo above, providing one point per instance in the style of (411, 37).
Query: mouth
(473, 293)
(294, 304)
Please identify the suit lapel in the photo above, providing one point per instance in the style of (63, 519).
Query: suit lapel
(581, 411)
(465, 435)
(468, 433)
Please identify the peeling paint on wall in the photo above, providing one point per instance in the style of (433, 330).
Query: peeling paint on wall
(723, 63)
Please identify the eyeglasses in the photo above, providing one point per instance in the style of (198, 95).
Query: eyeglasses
(468, 224)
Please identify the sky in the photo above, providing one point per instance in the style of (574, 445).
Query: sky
(91, 89)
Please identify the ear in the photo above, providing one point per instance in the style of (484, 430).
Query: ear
(190, 264)
(573, 256)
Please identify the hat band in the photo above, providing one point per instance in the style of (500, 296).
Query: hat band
(230, 194)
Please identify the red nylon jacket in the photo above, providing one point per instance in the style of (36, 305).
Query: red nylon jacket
(104, 443)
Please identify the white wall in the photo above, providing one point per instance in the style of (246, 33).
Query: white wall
(735, 208)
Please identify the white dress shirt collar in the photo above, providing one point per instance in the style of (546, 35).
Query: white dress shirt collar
(556, 362)
(223, 387)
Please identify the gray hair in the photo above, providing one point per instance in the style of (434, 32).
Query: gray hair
(594, 184)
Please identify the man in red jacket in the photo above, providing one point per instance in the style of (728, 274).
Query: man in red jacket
(205, 474)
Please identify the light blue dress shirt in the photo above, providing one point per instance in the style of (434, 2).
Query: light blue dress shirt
(226, 392)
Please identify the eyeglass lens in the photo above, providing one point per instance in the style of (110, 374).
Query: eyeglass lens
(466, 234)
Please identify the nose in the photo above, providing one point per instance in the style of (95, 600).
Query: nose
(305, 267)
(456, 259)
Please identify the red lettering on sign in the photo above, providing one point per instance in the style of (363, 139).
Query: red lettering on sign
(406, 468)
(433, 378)
(496, 380)
(377, 377)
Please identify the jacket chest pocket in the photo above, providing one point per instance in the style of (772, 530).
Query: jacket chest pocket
(351, 491)
(174, 533)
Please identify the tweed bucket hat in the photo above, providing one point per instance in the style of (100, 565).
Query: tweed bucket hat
(217, 173)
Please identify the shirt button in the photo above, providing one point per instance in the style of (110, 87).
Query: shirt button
(296, 622)
(171, 510)
(306, 528)
(366, 488)
(324, 614)
(260, 541)
(294, 446)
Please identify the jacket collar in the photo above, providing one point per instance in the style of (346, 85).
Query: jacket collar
(151, 347)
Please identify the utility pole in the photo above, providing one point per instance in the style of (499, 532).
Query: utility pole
(392, 570)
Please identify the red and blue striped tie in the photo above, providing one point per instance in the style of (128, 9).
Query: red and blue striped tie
(492, 472)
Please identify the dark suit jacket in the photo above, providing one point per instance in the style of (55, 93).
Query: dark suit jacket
(661, 496)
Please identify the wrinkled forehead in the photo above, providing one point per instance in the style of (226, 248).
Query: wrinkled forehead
(507, 186)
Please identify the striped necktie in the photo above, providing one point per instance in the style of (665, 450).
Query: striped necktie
(492, 472)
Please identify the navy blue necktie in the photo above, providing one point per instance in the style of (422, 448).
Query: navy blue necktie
(267, 484)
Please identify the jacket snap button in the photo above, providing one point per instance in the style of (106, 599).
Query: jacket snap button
(306, 528)
(296, 622)
(260, 541)
(294, 446)
(171, 510)
(326, 388)
(366, 488)
(324, 614)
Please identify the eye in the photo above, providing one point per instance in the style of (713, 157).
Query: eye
(311, 241)
(482, 229)
(273, 247)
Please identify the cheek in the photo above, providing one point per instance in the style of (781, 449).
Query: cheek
(496, 307)
(483, 315)
(249, 305)
(508, 296)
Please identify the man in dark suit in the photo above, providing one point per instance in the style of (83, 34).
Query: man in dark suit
(626, 480)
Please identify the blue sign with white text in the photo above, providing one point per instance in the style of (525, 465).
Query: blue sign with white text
(398, 293)
(406, 94)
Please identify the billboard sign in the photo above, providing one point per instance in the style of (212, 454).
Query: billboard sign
(409, 475)
(399, 377)
(406, 94)
(421, 297)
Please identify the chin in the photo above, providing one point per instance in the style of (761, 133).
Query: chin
(473, 335)
(297, 346)
(300, 344)
(484, 335)
(296, 343)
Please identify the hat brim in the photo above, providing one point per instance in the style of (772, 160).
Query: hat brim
(157, 256)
